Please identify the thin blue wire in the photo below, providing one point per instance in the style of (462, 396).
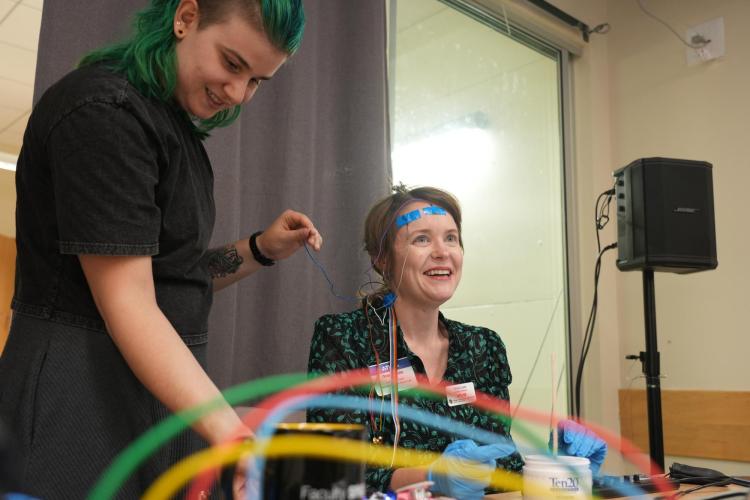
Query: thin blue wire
(328, 279)
(367, 272)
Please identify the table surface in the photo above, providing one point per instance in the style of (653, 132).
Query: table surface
(709, 491)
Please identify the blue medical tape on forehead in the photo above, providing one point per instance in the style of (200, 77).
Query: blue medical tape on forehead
(408, 217)
(434, 210)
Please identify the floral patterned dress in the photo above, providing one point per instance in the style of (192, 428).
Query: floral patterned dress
(349, 341)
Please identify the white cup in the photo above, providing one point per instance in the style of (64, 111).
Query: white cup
(561, 477)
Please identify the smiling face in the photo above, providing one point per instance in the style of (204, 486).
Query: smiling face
(220, 66)
(426, 260)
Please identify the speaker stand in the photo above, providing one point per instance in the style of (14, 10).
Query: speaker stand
(650, 366)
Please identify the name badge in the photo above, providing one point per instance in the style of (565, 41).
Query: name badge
(406, 378)
(461, 394)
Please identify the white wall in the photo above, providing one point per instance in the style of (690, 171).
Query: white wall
(636, 97)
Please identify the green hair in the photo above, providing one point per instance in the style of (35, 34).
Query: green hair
(148, 58)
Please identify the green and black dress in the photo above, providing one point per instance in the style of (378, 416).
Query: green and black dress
(343, 342)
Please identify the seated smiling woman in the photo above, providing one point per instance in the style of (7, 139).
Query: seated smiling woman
(414, 241)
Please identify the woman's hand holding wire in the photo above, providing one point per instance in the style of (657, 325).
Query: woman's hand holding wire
(287, 234)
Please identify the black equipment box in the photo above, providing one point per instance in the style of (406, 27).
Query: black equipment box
(665, 216)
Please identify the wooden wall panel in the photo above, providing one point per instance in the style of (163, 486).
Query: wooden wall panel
(702, 424)
(7, 277)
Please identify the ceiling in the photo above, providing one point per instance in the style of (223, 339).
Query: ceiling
(19, 36)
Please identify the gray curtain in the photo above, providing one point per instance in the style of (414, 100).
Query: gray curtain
(314, 139)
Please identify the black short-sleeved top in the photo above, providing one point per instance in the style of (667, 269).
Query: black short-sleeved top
(105, 170)
(341, 342)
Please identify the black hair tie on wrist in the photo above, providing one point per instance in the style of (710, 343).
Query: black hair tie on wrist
(257, 255)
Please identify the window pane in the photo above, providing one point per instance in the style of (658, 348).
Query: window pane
(477, 113)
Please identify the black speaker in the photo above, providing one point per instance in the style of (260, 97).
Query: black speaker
(665, 216)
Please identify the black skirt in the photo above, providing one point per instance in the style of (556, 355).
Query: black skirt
(72, 405)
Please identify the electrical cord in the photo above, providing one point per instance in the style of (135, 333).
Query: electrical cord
(601, 214)
(700, 42)
(705, 477)
(589, 333)
(601, 218)
(680, 493)
(729, 495)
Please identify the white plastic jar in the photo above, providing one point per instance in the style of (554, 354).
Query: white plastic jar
(550, 478)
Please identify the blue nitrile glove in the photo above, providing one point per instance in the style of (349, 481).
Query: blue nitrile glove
(578, 441)
(468, 468)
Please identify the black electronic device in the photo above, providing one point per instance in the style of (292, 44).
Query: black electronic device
(665, 216)
(311, 477)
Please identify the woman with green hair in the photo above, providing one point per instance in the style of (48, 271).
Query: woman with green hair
(114, 214)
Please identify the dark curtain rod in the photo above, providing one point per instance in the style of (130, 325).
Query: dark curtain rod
(563, 16)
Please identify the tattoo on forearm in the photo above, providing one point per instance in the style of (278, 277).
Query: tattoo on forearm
(223, 261)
